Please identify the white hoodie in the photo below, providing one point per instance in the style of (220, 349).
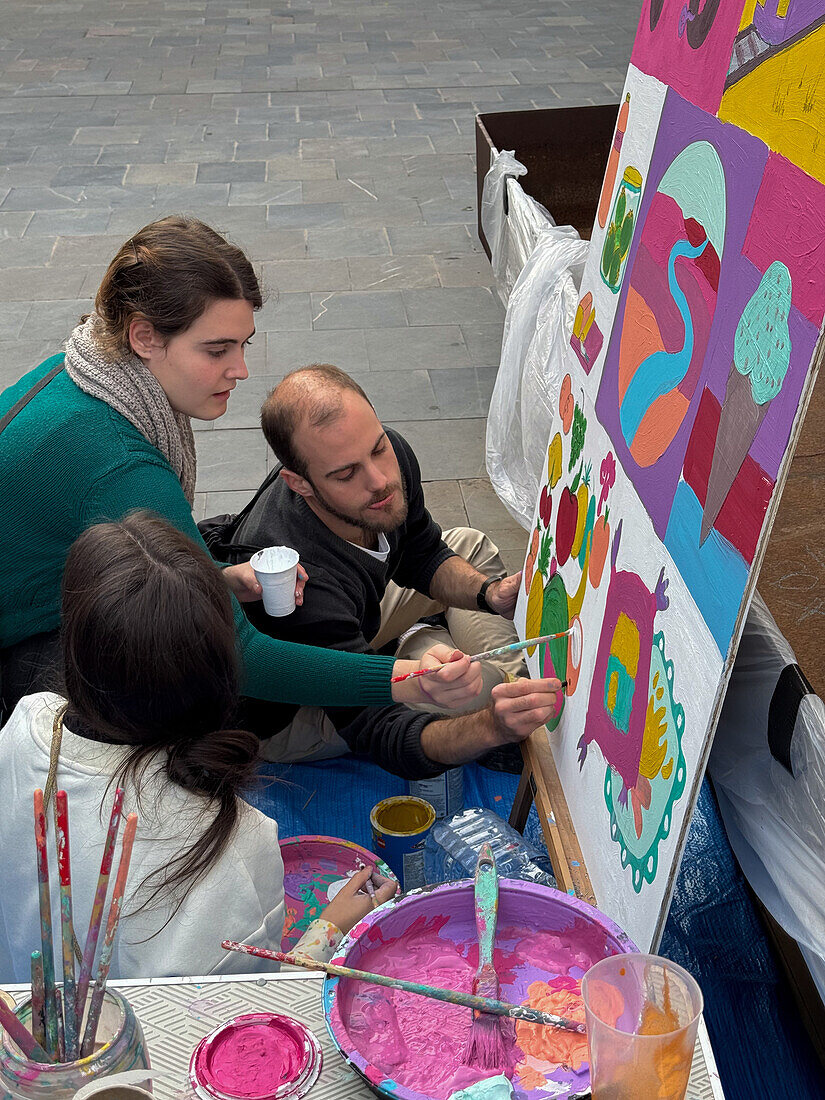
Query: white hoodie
(241, 897)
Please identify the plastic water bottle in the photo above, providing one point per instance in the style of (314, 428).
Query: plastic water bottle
(445, 793)
(453, 845)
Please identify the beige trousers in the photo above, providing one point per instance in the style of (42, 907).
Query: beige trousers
(312, 736)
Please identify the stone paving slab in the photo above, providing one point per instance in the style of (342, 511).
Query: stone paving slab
(334, 141)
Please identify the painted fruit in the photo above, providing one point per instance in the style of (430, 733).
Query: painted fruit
(545, 506)
(582, 496)
(554, 619)
(598, 550)
(567, 516)
(530, 560)
(535, 602)
(555, 460)
(567, 403)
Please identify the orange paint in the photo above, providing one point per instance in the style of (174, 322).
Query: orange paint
(640, 338)
(541, 1044)
(659, 425)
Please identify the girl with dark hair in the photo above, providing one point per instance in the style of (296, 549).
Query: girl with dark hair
(104, 428)
(151, 688)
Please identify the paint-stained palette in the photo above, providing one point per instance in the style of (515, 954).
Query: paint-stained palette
(411, 1048)
(314, 866)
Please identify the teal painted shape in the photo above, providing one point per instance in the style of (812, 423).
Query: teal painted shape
(762, 345)
(696, 181)
(625, 690)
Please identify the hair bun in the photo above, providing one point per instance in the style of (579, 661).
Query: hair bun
(213, 761)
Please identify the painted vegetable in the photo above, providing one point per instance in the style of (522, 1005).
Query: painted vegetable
(567, 518)
(553, 658)
(536, 594)
(567, 403)
(599, 548)
(530, 560)
(555, 460)
(577, 438)
(545, 506)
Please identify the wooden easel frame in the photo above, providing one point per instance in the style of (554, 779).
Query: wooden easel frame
(540, 783)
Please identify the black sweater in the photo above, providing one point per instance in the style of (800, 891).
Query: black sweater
(341, 608)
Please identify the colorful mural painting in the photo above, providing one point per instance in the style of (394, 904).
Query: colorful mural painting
(692, 356)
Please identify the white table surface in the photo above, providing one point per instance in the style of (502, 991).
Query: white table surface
(176, 1013)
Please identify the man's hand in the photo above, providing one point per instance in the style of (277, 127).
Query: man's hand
(502, 595)
(522, 706)
(244, 584)
(515, 711)
(456, 683)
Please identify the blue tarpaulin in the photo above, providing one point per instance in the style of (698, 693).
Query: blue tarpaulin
(713, 929)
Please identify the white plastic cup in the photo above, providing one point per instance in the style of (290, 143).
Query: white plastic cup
(276, 568)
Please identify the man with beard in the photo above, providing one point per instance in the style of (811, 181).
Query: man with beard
(349, 499)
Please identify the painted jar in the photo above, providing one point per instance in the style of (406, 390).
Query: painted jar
(121, 1048)
(619, 232)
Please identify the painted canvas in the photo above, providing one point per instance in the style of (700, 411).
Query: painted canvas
(691, 361)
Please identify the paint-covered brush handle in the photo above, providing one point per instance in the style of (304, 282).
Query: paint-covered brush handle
(486, 904)
(450, 996)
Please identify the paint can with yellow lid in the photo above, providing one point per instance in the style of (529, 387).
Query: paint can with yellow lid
(399, 831)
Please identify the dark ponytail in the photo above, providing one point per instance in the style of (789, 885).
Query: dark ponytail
(150, 661)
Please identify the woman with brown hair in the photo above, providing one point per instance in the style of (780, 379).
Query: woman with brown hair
(151, 688)
(104, 428)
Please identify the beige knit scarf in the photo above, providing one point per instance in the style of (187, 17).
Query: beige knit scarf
(132, 390)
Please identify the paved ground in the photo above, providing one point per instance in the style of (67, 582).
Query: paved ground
(333, 139)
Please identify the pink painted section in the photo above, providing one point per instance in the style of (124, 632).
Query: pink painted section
(415, 1048)
(694, 62)
(788, 224)
(253, 1057)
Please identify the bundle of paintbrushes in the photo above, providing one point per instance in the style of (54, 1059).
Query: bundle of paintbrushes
(57, 1016)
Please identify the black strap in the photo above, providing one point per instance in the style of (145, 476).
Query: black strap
(221, 545)
(26, 398)
(791, 688)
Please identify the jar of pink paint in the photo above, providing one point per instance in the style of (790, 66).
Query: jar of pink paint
(259, 1056)
(120, 1047)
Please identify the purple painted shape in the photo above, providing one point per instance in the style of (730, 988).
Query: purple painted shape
(743, 159)
(775, 29)
(542, 934)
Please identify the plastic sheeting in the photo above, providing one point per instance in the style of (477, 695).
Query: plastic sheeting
(510, 218)
(536, 332)
(775, 815)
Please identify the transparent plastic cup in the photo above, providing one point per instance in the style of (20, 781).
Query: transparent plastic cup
(642, 1015)
(276, 568)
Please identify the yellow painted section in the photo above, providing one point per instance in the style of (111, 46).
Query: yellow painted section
(781, 8)
(748, 13)
(612, 691)
(782, 101)
(653, 752)
(625, 644)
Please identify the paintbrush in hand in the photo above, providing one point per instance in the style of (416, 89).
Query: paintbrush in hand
(450, 996)
(485, 1043)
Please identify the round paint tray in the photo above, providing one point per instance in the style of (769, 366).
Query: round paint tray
(409, 1047)
(314, 866)
(259, 1056)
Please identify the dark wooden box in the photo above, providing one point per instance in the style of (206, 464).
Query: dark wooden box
(564, 151)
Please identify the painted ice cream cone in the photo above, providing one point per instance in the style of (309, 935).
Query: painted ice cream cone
(761, 356)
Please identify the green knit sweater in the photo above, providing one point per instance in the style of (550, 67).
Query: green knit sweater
(68, 460)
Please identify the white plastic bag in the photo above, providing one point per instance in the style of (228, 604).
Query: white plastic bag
(774, 818)
(503, 165)
(536, 331)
